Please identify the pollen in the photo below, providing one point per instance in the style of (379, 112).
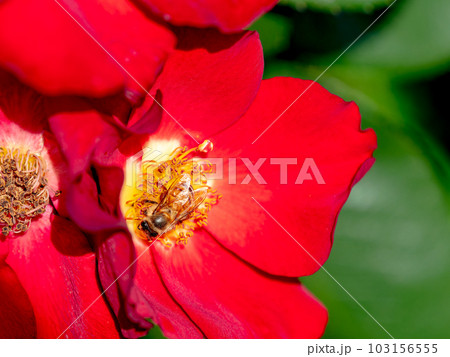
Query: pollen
(155, 183)
(24, 193)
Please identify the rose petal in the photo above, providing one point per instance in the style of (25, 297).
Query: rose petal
(53, 54)
(115, 253)
(91, 131)
(62, 288)
(227, 15)
(227, 298)
(320, 126)
(211, 79)
(21, 115)
(86, 209)
(16, 312)
(79, 130)
(168, 315)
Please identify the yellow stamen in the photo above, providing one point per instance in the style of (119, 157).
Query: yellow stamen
(155, 180)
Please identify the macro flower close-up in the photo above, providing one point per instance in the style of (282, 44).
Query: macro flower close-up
(230, 235)
(222, 169)
(187, 275)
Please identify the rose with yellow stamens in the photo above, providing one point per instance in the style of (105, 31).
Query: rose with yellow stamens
(48, 270)
(154, 179)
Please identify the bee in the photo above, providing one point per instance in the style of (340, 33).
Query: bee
(176, 204)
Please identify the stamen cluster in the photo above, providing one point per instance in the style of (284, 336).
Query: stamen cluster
(157, 177)
(24, 191)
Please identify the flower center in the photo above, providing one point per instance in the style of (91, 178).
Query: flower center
(172, 197)
(24, 193)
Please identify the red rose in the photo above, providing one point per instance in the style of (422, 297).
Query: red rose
(47, 267)
(236, 276)
(96, 137)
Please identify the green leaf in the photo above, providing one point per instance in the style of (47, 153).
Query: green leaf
(154, 333)
(274, 32)
(337, 5)
(415, 38)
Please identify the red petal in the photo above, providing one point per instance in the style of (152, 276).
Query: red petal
(93, 205)
(227, 298)
(21, 115)
(168, 315)
(227, 15)
(320, 126)
(52, 53)
(116, 255)
(211, 79)
(57, 268)
(145, 297)
(85, 205)
(16, 312)
(86, 134)
(79, 132)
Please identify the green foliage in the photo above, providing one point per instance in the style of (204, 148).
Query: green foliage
(154, 333)
(274, 31)
(335, 6)
(415, 39)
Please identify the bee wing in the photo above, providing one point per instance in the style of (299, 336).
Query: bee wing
(177, 194)
(198, 197)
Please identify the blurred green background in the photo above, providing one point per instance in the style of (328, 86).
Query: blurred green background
(391, 249)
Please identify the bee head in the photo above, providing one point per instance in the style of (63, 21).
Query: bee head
(146, 227)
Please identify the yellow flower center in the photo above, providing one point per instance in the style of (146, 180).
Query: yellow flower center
(170, 197)
(24, 192)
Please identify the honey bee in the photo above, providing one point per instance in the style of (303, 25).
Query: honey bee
(176, 204)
